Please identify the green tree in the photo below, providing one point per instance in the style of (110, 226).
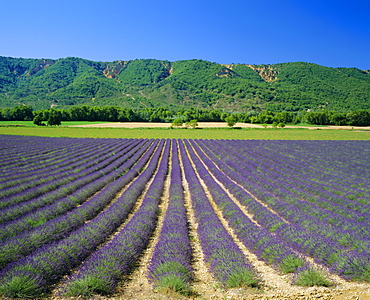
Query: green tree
(253, 119)
(37, 120)
(22, 113)
(338, 119)
(318, 118)
(283, 117)
(265, 117)
(230, 121)
(54, 118)
(359, 118)
(192, 123)
(177, 122)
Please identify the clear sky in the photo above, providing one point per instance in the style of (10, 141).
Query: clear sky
(333, 33)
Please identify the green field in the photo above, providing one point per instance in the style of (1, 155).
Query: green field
(65, 123)
(205, 133)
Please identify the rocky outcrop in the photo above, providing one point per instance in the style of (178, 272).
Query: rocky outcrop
(167, 72)
(267, 72)
(42, 64)
(113, 69)
(226, 72)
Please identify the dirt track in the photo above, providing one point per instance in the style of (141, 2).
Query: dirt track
(206, 125)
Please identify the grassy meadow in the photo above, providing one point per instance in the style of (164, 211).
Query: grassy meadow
(203, 133)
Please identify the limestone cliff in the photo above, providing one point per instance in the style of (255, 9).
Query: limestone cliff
(266, 72)
(113, 69)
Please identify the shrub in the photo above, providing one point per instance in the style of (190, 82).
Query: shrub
(311, 277)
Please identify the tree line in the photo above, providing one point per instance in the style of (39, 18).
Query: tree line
(54, 116)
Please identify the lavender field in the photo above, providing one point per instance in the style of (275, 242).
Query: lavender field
(77, 214)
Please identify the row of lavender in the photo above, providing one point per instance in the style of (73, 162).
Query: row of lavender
(172, 256)
(32, 259)
(63, 215)
(88, 225)
(29, 268)
(330, 233)
(37, 212)
(26, 188)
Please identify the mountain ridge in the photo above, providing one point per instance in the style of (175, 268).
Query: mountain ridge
(293, 86)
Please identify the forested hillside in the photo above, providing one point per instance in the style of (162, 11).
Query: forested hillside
(149, 83)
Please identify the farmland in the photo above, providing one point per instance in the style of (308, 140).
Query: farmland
(85, 216)
(119, 130)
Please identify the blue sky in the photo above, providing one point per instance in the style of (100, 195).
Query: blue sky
(326, 32)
